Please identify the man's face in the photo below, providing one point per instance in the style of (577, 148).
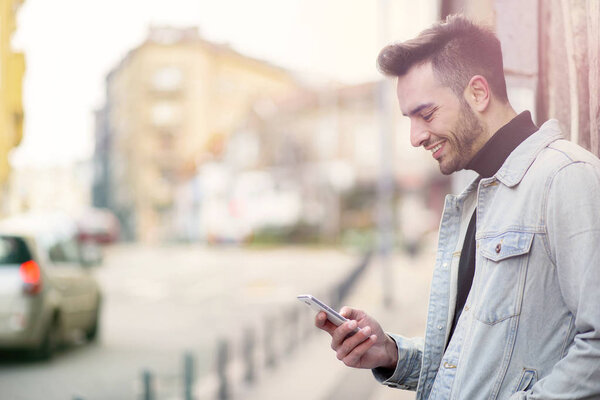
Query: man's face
(439, 121)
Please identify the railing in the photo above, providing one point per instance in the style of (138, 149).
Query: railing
(240, 364)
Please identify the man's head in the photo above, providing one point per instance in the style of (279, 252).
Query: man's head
(451, 85)
(457, 48)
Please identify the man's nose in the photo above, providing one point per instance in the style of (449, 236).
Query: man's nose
(419, 134)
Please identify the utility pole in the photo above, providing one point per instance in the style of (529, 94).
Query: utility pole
(385, 183)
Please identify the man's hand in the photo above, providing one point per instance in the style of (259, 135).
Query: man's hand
(369, 348)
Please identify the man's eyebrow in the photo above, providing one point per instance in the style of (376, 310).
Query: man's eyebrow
(418, 109)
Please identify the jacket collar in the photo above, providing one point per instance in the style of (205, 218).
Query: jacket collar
(518, 162)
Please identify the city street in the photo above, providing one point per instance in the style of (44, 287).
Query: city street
(160, 302)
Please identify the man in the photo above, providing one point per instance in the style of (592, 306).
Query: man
(514, 307)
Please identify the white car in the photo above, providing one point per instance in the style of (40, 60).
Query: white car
(47, 292)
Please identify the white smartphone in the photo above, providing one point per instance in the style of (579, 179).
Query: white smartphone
(317, 305)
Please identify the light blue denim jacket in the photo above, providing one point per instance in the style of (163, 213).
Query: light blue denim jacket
(530, 328)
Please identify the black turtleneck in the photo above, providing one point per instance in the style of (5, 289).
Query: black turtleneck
(486, 163)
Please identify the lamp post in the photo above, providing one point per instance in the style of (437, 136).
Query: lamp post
(385, 182)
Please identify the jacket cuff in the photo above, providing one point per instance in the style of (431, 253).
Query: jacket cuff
(406, 374)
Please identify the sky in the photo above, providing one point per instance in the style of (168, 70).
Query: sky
(70, 46)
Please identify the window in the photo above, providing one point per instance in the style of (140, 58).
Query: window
(167, 79)
(65, 251)
(165, 114)
(13, 250)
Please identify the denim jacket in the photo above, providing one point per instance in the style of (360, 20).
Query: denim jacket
(530, 328)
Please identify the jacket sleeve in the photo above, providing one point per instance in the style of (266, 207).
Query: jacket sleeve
(408, 368)
(573, 243)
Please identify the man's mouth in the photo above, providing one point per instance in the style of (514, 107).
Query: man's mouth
(435, 149)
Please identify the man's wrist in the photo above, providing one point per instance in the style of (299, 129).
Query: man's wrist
(391, 349)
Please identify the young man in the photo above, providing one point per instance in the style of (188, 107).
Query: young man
(514, 310)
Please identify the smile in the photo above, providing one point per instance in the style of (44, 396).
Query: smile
(436, 148)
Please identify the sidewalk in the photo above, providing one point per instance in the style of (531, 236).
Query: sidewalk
(312, 372)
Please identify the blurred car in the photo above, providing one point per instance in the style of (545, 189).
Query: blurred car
(98, 225)
(47, 291)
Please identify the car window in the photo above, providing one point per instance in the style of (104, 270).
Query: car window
(13, 250)
(64, 251)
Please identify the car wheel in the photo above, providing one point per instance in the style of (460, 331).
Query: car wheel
(51, 340)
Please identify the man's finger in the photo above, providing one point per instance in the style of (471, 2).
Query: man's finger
(346, 335)
(351, 313)
(323, 323)
(353, 359)
(349, 343)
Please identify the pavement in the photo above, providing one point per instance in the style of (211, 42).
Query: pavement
(312, 371)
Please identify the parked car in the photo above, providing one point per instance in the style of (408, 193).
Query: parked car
(98, 225)
(47, 291)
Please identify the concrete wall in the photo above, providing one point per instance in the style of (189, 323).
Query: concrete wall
(570, 68)
(551, 58)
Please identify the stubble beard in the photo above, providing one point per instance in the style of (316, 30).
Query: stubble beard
(462, 138)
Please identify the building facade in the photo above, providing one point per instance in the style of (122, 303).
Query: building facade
(323, 148)
(12, 70)
(170, 106)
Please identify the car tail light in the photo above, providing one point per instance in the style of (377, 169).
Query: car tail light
(31, 276)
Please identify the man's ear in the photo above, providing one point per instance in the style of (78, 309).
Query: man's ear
(478, 93)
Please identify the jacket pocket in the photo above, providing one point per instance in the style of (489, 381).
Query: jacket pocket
(527, 380)
(501, 275)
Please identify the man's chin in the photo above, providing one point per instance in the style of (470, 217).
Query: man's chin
(447, 170)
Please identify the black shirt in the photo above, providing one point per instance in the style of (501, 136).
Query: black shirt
(486, 163)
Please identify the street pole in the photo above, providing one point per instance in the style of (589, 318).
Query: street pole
(385, 184)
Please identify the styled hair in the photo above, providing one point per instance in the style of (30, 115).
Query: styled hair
(457, 48)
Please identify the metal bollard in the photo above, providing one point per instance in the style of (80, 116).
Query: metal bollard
(222, 361)
(248, 349)
(307, 323)
(147, 383)
(188, 376)
(269, 345)
(292, 330)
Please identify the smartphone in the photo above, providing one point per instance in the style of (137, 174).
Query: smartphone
(318, 306)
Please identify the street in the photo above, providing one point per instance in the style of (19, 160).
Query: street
(160, 302)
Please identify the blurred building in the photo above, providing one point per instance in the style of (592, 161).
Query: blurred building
(49, 188)
(12, 69)
(551, 59)
(171, 104)
(321, 148)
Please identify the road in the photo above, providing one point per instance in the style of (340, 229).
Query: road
(160, 302)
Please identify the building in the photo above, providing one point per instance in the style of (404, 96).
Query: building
(12, 69)
(49, 188)
(322, 147)
(170, 106)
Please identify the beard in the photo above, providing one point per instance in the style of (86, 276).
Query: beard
(462, 139)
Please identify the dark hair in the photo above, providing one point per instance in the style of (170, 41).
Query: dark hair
(457, 48)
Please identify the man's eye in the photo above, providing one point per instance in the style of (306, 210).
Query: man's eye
(428, 117)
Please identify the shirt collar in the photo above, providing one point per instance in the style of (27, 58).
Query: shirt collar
(496, 150)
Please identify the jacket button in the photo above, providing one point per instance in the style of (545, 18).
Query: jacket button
(498, 248)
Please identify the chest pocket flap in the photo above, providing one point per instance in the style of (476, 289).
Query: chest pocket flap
(506, 245)
(500, 275)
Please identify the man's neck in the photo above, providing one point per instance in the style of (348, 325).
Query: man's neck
(498, 115)
(494, 153)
